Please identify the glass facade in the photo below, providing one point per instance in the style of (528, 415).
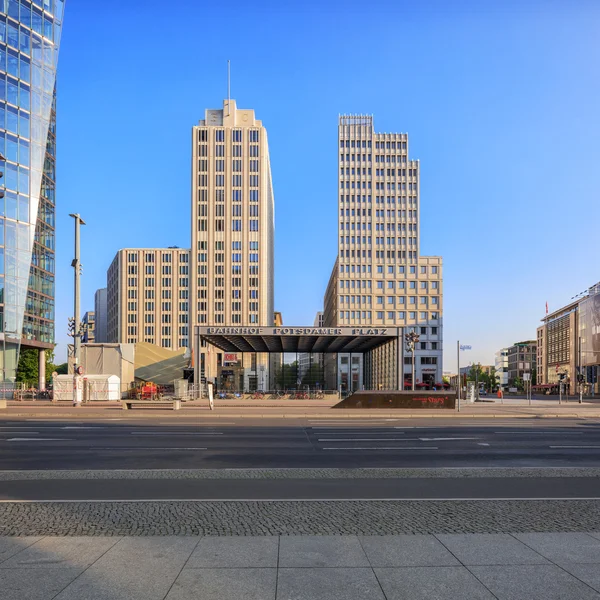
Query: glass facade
(29, 44)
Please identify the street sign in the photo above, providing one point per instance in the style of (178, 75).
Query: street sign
(465, 347)
(526, 376)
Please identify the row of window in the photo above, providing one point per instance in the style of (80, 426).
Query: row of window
(236, 195)
(149, 294)
(167, 257)
(347, 158)
(132, 269)
(220, 281)
(236, 166)
(219, 318)
(236, 210)
(346, 315)
(366, 226)
(367, 144)
(236, 150)
(346, 256)
(237, 135)
(236, 225)
(402, 269)
(391, 284)
(379, 241)
(424, 300)
(166, 282)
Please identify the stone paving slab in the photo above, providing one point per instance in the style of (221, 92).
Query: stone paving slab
(563, 548)
(225, 584)
(533, 582)
(35, 583)
(167, 568)
(265, 518)
(134, 569)
(406, 551)
(321, 551)
(474, 549)
(249, 552)
(357, 583)
(432, 583)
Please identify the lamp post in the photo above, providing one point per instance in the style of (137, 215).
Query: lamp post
(76, 323)
(411, 340)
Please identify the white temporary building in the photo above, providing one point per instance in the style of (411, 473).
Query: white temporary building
(95, 387)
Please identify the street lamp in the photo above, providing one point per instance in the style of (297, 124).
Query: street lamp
(411, 340)
(75, 325)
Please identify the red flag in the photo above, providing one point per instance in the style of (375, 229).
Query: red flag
(546, 308)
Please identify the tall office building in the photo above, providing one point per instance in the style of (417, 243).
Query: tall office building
(89, 327)
(147, 297)
(380, 278)
(29, 43)
(100, 309)
(232, 228)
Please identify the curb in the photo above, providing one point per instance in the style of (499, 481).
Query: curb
(323, 416)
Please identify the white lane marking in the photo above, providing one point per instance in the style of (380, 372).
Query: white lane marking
(174, 433)
(446, 439)
(82, 427)
(39, 439)
(573, 446)
(134, 448)
(387, 448)
(541, 432)
(195, 424)
(423, 427)
(419, 499)
(482, 444)
(368, 439)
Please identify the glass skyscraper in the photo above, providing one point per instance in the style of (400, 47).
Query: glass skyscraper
(29, 43)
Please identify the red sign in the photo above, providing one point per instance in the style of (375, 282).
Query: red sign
(231, 358)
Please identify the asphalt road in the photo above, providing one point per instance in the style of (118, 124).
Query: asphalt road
(298, 444)
(34, 444)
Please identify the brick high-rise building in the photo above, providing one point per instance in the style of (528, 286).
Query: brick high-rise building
(231, 264)
(380, 278)
(147, 297)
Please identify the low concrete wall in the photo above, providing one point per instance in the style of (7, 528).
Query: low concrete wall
(394, 399)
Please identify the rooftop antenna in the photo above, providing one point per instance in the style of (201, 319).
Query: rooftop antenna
(228, 87)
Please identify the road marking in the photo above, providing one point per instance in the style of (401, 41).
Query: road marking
(446, 439)
(482, 444)
(194, 423)
(39, 440)
(541, 432)
(387, 448)
(82, 427)
(171, 433)
(368, 439)
(134, 448)
(204, 500)
(573, 446)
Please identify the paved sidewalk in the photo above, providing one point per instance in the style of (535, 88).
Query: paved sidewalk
(320, 409)
(531, 566)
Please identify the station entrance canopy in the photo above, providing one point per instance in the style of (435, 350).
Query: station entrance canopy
(298, 339)
(382, 347)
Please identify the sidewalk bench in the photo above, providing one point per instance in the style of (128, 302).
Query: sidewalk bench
(173, 403)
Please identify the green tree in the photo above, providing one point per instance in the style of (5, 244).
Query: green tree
(286, 376)
(28, 367)
(313, 376)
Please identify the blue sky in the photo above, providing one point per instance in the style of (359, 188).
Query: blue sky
(500, 100)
